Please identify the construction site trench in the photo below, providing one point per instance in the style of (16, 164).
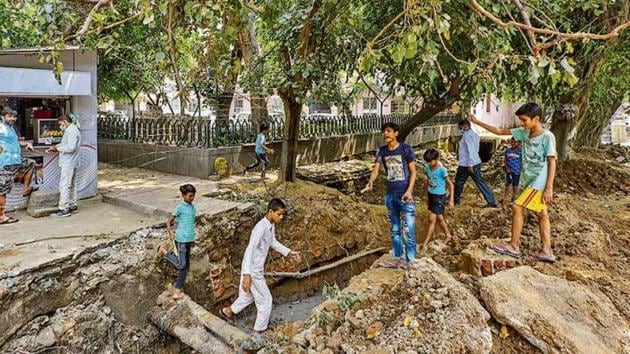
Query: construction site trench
(455, 298)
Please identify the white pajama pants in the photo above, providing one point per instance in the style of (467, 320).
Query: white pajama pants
(261, 296)
(67, 188)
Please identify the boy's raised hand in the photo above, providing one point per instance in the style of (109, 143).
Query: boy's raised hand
(471, 118)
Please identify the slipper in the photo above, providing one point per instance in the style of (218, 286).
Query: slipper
(542, 258)
(500, 249)
(225, 315)
(9, 220)
(30, 191)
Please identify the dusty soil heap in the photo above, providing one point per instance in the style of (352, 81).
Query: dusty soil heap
(590, 235)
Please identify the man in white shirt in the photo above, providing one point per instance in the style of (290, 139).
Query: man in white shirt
(69, 151)
(253, 285)
(470, 166)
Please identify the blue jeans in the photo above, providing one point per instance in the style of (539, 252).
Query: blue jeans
(402, 218)
(181, 263)
(460, 180)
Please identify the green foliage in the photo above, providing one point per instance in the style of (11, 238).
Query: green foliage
(346, 301)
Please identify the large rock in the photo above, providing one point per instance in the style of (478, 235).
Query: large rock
(555, 315)
(42, 203)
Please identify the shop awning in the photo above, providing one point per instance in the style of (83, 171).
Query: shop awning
(38, 82)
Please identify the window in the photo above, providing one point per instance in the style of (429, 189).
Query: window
(399, 106)
(369, 104)
(238, 105)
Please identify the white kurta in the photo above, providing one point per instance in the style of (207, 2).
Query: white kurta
(68, 163)
(262, 238)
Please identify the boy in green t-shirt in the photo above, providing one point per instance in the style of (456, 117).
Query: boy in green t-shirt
(184, 237)
(537, 176)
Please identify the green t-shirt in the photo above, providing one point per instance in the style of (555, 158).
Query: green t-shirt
(535, 153)
(185, 214)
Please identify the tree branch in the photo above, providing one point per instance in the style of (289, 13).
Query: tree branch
(88, 19)
(251, 4)
(566, 36)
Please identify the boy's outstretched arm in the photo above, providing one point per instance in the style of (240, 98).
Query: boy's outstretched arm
(451, 192)
(551, 176)
(284, 250)
(375, 172)
(169, 224)
(498, 131)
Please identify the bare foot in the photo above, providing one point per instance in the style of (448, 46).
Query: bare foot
(178, 294)
(425, 247)
(447, 239)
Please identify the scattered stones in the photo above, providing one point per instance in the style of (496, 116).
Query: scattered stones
(553, 314)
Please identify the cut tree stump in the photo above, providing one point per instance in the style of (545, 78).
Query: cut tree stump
(194, 326)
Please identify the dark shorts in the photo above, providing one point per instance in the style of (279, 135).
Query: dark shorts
(512, 179)
(8, 173)
(437, 202)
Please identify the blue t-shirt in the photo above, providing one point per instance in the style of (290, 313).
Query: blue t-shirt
(513, 159)
(260, 141)
(535, 153)
(396, 163)
(185, 214)
(11, 153)
(436, 179)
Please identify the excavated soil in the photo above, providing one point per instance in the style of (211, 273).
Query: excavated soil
(590, 236)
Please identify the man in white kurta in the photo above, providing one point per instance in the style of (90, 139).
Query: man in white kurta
(253, 285)
(69, 151)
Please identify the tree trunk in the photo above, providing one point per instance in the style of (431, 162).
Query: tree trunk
(224, 101)
(563, 121)
(288, 157)
(259, 107)
(430, 109)
(590, 129)
(197, 328)
(133, 104)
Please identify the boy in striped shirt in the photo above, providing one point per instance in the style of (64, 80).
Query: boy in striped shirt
(537, 176)
(184, 237)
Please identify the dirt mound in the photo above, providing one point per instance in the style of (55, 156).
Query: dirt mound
(581, 176)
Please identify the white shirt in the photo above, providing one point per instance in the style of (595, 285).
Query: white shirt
(263, 236)
(70, 147)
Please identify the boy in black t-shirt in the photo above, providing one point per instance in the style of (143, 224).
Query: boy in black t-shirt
(399, 161)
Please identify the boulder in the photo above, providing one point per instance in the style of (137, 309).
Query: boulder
(42, 203)
(553, 314)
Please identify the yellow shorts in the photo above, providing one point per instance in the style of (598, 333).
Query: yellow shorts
(531, 199)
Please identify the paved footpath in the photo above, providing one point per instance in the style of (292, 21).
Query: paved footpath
(130, 199)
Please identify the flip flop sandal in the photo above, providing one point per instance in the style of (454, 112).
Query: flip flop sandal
(225, 316)
(388, 264)
(542, 258)
(30, 191)
(505, 251)
(9, 220)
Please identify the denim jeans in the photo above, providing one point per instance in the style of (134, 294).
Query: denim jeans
(460, 180)
(402, 219)
(181, 263)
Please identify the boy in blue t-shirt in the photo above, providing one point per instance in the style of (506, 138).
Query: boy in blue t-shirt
(261, 151)
(512, 165)
(399, 161)
(437, 179)
(184, 213)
